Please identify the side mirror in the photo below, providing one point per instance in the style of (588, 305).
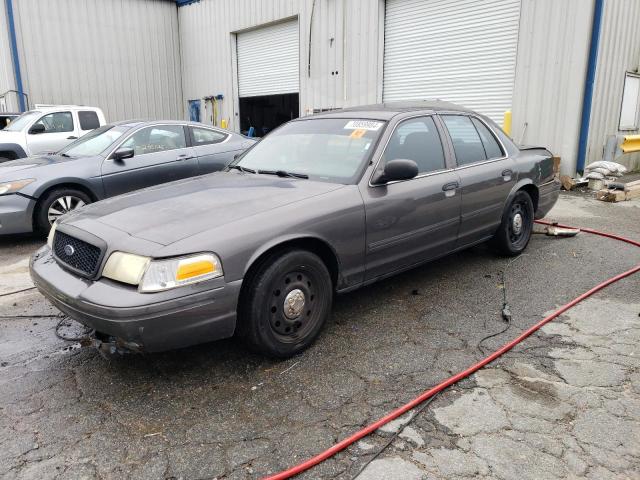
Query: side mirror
(123, 154)
(37, 129)
(398, 169)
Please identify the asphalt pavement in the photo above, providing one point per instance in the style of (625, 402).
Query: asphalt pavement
(565, 403)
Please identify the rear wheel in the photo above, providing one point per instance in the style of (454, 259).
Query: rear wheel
(55, 204)
(285, 303)
(516, 227)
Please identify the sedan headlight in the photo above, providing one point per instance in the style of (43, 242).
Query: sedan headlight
(15, 185)
(157, 275)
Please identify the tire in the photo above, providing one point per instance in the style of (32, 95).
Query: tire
(298, 277)
(66, 199)
(513, 235)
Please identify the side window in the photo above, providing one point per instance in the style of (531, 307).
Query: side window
(466, 141)
(57, 122)
(205, 136)
(491, 146)
(88, 120)
(156, 139)
(418, 140)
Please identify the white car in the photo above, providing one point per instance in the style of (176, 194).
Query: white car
(47, 129)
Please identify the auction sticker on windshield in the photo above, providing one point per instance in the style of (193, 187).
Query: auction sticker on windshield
(363, 125)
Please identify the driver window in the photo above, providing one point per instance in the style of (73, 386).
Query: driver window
(156, 139)
(57, 122)
(418, 140)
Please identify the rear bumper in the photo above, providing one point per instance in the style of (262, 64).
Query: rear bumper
(140, 319)
(16, 214)
(548, 196)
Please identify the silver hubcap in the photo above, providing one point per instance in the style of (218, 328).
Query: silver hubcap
(294, 303)
(516, 223)
(62, 205)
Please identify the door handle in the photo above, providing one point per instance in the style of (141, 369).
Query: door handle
(72, 138)
(450, 186)
(184, 157)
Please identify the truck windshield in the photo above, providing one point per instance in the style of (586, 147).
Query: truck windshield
(22, 121)
(325, 149)
(95, 142)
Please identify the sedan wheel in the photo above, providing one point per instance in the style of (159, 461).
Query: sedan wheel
(63, 205)
(285, 303)
(517, 224)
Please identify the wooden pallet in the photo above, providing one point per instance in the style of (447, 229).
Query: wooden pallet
(631, 191)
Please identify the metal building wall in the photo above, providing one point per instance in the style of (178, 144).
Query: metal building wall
(7, 80)
(618, 52)
(345, 35)
(553, 49)
(121, 56)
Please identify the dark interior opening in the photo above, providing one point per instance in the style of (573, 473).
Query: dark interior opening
(267, 112)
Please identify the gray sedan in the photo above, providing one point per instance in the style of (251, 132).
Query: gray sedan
(323, 204)
(110, 160)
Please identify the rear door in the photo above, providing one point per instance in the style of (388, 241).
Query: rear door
(87, 120)
(161, 155)
(59, 131)
(414, 220)
(486, 175)
(213, 148)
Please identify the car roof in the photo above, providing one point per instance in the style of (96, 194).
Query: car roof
(134, 123)
(386, 111)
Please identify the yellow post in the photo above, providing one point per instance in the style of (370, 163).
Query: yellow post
(223, 123)
(631, 143)
(506, 123)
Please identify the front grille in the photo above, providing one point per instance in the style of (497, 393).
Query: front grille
(77, 254)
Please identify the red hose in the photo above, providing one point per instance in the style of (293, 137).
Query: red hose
(301, 467)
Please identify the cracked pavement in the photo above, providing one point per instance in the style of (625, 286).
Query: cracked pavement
(564, 403)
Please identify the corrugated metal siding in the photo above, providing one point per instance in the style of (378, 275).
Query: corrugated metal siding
(7, 80)
(550, 74)
(268, 60)
(459, 51)
(618, 52)
(121, 56)
(344, 37)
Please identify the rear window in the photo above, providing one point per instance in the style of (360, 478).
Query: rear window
(88, 120)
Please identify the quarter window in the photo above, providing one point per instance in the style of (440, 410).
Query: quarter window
(489, 142)
(88, 120)
(418, 140)
(57, 122)
(156, 139)
(205, 136)
(466, 141)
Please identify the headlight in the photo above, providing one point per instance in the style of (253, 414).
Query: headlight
(52, 233)
(14, 186)
(157, 275)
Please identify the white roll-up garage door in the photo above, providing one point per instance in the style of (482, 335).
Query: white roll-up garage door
(462, 51)
(268, 60)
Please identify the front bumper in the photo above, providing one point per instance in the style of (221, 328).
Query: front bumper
(548, 196)
(16, 214)
(151, 322)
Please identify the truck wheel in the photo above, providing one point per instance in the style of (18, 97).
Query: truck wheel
(514, 232)
(55, 204)
(285, 303)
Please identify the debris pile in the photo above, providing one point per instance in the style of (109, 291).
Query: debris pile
(603, 169)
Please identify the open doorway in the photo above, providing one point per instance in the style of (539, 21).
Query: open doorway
(264, 113)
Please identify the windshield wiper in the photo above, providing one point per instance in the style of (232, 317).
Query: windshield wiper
(65, 155)
(242, 169)
(283, 173)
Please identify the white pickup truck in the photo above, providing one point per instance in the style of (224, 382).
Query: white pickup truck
(47, 129)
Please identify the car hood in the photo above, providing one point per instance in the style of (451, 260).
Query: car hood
(11, 137)
(171, 212)
(26, 166)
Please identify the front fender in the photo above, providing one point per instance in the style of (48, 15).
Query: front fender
(36, 189)
(14, 148)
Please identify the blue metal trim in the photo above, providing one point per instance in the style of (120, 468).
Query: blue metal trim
(182, 3)
(14, 55)
(588, 87)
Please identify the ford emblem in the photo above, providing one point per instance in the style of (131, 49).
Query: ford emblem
(69, 250)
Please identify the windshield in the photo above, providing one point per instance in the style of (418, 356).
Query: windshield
(22, 121)
(95, 142)
(327, 149)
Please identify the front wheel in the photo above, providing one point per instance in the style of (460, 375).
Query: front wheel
(285, 303)
(516, 227)
(55, 204)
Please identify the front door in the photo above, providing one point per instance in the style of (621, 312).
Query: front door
(411, 221)
(57, 130)
(161, 155)
(487, 175)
